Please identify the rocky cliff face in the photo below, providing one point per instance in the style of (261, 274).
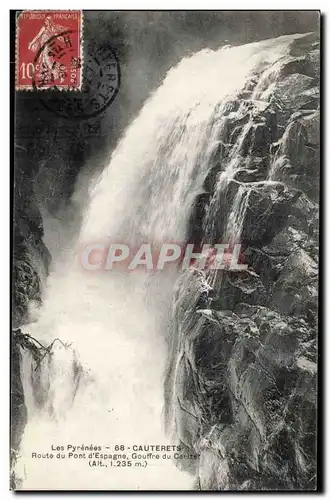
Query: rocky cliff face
(241, 381)
(30, 266)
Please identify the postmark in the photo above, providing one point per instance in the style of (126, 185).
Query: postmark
(49, 50)
(101, 82)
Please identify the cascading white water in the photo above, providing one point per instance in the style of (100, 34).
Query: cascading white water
(116, 323)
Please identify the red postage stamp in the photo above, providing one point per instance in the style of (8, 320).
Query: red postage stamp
(49, 50)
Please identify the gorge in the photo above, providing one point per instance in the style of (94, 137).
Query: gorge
(222, 363)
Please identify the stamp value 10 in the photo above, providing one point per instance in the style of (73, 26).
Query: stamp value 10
(49, 50)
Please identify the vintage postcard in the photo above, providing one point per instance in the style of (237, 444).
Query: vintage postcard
(166, 174)
(49, 53)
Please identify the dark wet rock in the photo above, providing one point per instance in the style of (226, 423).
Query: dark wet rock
(197, 216)
(249, 175)
(296, 290)
(252, 169)
(214, 223)
(302, 46)
(267, 266)
(18, 408)
(295, 90)
(241, 383)
(31, 261)
(270, 260)
(211, 178)
(267, 209)
(293, 143)
(311, 124)
(31, 257)
(297, 161)
(244, 286)
(289, 240)
(257, 140)
(314, 59)
(301, 65)
(220, 153)
(250, 375)
(304, 216)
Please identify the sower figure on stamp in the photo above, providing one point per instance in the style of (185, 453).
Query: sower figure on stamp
(47, 31)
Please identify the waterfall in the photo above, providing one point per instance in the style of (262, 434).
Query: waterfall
(103, 383)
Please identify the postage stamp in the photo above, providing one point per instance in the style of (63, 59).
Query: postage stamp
(101, 83)
(49, 50)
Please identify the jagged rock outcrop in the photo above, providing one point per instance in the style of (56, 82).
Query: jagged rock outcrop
(241, 380)
(31, 259)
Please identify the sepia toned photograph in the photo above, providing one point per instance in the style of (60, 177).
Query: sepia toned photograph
(165, 250)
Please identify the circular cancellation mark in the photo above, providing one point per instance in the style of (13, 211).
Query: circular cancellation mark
(100, 85)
